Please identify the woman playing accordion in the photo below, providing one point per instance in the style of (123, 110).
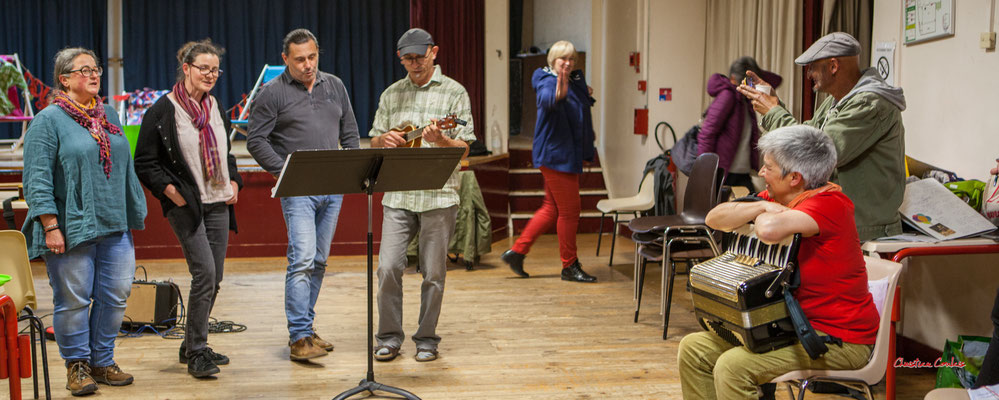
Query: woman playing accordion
(797, 164)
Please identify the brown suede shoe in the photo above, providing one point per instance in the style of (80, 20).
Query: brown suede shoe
(321, 343)
(111, 375)
(78, 379)
(304, 349)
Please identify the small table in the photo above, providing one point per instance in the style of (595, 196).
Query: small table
(898, 251)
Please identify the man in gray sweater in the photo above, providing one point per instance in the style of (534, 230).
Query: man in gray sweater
(303, 109)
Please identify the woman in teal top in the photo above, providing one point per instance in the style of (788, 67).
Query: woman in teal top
(83, 199)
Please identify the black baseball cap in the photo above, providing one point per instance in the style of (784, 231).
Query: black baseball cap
(414, 41)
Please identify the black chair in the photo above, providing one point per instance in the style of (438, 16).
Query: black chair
(685, 228)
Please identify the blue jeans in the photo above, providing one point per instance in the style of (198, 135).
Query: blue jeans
(311, 221)
(98, 270)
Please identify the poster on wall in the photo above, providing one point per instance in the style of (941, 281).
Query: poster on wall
(927, 19)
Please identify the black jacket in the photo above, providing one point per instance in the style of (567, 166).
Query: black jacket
(159, 162)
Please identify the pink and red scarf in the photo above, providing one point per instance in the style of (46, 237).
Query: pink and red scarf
(92, 118)
(201, 119)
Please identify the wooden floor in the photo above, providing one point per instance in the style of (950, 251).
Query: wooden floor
(503, 337)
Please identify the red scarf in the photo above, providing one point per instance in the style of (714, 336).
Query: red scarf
(92, 118)
(200, 115)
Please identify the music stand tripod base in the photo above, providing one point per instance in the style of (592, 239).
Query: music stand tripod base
(372, 386)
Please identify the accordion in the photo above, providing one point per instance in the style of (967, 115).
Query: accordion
(739, 294)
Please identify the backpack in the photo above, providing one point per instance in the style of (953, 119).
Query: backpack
(685, 150)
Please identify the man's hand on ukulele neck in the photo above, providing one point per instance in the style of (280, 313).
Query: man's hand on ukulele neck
(432, 133)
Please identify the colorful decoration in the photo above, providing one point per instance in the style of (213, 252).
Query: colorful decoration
(922, 218)
(138, 102)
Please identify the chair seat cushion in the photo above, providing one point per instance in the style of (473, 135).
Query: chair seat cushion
(624, 204)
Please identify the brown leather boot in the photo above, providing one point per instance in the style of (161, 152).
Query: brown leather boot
(321, 343)
(304, 349)
(78, 379)
(111, 375)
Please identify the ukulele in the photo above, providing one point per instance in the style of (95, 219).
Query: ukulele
(414, 135)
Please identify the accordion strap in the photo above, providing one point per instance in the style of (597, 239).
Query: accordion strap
(814, 344)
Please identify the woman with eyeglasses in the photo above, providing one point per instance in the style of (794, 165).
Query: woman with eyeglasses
(182, 157)
(83, 199)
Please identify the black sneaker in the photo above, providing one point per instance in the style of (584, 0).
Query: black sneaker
(201, 365)
(516, 262)
(575, 273)
(216, 358)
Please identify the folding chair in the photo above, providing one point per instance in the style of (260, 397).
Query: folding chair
(10, 145)
(239, 125)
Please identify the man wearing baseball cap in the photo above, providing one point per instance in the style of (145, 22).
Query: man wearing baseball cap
(420, 99)
(863, 116)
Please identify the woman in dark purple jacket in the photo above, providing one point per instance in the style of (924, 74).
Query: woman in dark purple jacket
(729, 128)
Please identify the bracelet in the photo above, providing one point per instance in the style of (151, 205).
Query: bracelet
(51, 228)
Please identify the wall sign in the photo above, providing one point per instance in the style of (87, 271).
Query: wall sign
(927, 19)
(884, 61)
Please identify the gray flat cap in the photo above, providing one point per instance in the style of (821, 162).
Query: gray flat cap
(414, 41)
(836, 44)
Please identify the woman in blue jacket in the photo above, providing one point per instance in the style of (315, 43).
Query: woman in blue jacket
(563, 139)
(83, 201)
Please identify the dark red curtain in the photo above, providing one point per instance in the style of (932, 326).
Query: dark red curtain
(457, 27)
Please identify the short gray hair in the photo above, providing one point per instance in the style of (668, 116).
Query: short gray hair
(298, 36)
(802, 149)
(64, 63)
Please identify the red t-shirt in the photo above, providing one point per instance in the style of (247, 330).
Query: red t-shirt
(833, 291)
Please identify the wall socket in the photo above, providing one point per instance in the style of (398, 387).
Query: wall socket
(988, 40)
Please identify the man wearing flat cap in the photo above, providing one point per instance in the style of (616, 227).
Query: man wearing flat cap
(420, 99)
(863, 116)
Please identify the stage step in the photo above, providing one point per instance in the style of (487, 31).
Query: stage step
(527, 192)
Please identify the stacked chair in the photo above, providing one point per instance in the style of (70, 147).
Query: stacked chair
(656, 237)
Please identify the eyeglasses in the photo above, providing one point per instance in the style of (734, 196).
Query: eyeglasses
(414, 60)
(88, 71)
(206, 70)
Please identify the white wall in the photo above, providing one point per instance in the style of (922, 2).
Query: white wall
(496, 110)
(952, 122)
(951, 90)
(675, 59)
(556, 20)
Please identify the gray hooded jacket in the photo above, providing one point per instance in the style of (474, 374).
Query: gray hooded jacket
(866, 126)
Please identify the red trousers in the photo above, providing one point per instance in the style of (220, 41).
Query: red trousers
(560, 208)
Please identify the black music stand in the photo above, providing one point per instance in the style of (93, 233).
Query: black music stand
(322, 172)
